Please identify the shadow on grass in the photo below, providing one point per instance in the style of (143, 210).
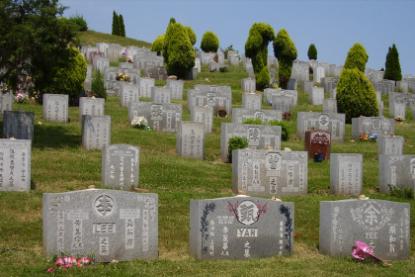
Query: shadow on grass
(54, 137)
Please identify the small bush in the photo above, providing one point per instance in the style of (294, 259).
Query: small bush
(191, 34)
(284, 128)
(236, 143)
(97, 86)
(286, 52)
(210, 42)
(262, 79)
(312, 52)
(401, 192)
(356, 58)
(392, 65)
(157, 45)
(256, 121)
(80, 22)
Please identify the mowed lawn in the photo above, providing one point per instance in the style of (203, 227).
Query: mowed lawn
(59, 164)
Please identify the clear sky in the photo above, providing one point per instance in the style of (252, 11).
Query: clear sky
(332, 25)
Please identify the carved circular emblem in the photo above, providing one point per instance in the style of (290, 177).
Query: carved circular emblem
(324, 121)
(372, 216)
(104, 205)
(247, 212)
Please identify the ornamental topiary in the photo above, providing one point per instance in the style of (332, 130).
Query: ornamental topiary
(312, 52)
(356, 58)
(286, 53)
(392, 65)
(262, 79)
(356, 95)
(157, 45)
(210, 42)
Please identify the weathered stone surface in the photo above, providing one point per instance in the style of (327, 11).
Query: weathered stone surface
(282, 103)
(145, 85)
(330, 105)
(18, 125)
(346, 173)
(91, 106)
(369, 125)
(160, 117)
(266, 173)
(129, 93)
(160, 95)
(258, 136)
(240, 228)
(248, 85)
(218, 97)
(334, 123)
(55, 107)
(190, 140)
(203, 115)
(396, 171)
(15, 164)
(6, 102)
(120, 166)
(176, 87)
(239, 115)
(382, 224)
(390, 145)
(105, 224)
(96, 131)
(317, 96)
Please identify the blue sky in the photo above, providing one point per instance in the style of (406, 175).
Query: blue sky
(332, 25)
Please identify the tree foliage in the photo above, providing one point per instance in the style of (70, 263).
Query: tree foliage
(121, 26)
(191, 34)
(392, 65)
(80, 22)
(178, 52)
(97, 85)
(312, 52)
(356, 58)
(256, 48)
(356, 95)
(157, 45)
(210, 42)
(118, 27)
(286, 53)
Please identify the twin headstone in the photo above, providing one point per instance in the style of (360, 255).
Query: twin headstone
(104, 224)
(240, 228)
(96, 131)
(346, 173)
(18, 125)
(190, 140)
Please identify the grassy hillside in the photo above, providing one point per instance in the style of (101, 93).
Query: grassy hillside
(60, 164)
(92, 37)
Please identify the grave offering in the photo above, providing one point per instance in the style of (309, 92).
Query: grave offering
(240, 228)
(372, 125)
(390, 145)
(329, 105)
(384, 225)
(6, 102)
(346, 173)
(396, 172)
(248, 85)
(203, 115)
(91, 106)
(334, 123)
(160, 117)
(267, 173)
(190, 140)
(145, 85)
(317, 96)
(218, 97)
(239, 115)
(105, 224)
(160, 95)
(15, 164)
(129, 93)
(120, 164)
(251, 101)
(55, 107)
(317, 143)
(18, 125)
(96, 131)
(258, 136)
(176, 88)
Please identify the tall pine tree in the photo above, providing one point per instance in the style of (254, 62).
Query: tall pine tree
(121, 26)
(115, 24)
(392, 65)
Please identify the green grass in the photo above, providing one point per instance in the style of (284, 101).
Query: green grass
(60, 164)
(92, 38)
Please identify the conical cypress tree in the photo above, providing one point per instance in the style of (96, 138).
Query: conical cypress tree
(121, 25)
(392, 65)
(312, 52)
(115, 25)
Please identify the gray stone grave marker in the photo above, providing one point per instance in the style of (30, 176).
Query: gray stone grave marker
(160, 95)
(334, 123)
(239, 115)
(390, 145)
(317, 96)
(145, 85)
(251, 101)
(203, 115)
(368, 125)
(96, 131)
(91, 106)
(248, 85)
(330, 105)
(176, 87)
(396, 171)
(129, 93)
(6, 102)
(190, 139)
(55, 107)
(346, 173)
(18, 125)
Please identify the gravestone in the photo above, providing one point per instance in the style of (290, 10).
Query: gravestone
(292, 84)
(15, 164)
(396, 172)
(105, 224)
(282, 103)
(308, 86)
(372, 125)
(120, 163)
(270, 93)
(160, 95)
(91, 106)
(240, 228)
(96, 131)
(239, 115)
(346, 173)
(318, 74)
(198, 65)
(55, 107)
(384, 225)
(390, 145)
(334, 123)
(258, 136)
(266, 173)
(160, 117)
(317, 96)
(6, 102)
(129, 93)
(218, 97)
(329, 83)
(251, 101)
(145, 85)
(176, 88)
(203, 115)
(399, 110)
(190, 139)
(330, 105)
(18, 125)
(248, 85)
(317, 143)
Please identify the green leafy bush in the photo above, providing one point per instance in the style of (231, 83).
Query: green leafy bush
(210, 42)
(356, 58)
(356, 95)
(262, 79)
(392, 65)
(284, 128)
(191, 34)
(236, 143)
(286, 53)
(97, 85)
(256, 121)
(157, 45)
(312, 52)
(80, 22)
